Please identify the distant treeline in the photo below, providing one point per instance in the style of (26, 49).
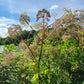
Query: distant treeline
(17, 39)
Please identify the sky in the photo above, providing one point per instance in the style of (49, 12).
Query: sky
(10, 10)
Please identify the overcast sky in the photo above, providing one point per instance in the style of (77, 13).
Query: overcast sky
(10, 10)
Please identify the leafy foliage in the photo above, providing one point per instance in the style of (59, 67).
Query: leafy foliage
(55, 56)
(17, 39)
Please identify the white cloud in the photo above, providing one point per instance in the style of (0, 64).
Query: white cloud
(3, 32)
(4, 20)
(4, 24)
(53, 7)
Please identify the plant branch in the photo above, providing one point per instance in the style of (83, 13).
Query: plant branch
(27, 45)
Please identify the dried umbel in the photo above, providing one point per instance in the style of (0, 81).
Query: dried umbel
(24, 19)
(37, 25)
(79, 15)
(57, 23)
(43, 14)
(54, 15)
(69, 18)
(67, 10)
(14, 30)
(22, 45)
(8, 59)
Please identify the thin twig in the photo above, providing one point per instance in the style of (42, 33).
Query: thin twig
(26, 44)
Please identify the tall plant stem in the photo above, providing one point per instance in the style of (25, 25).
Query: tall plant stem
(34, 31)
(27, 46)
(41, 48)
